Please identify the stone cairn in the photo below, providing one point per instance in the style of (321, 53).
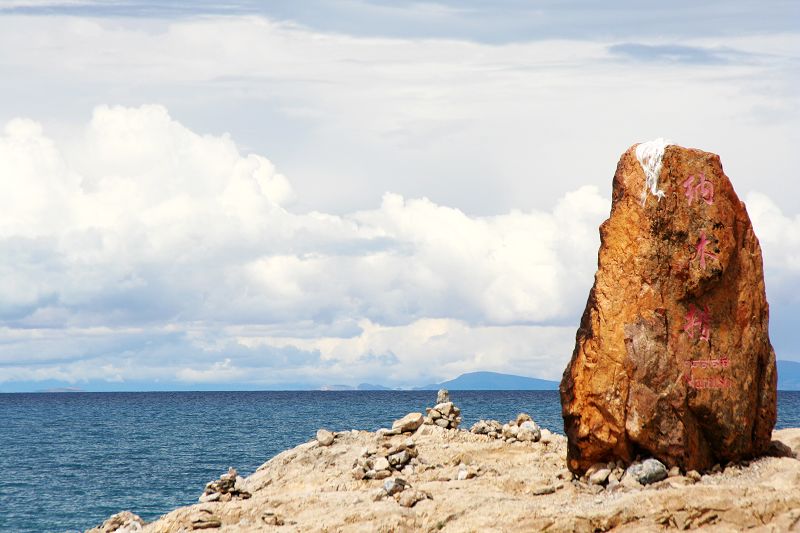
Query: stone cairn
(228, 487)
(444, 414)
(521, 429)
(391, 459)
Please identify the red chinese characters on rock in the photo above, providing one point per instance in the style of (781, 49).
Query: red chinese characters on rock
(698, 319)
(698, 322)
(701, 252)
(703, 190)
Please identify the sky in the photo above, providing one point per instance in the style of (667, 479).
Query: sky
(273, 195)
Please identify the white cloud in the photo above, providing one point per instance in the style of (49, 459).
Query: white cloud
(778, 234)
(135, 248)
(484, 128)
(139, 222)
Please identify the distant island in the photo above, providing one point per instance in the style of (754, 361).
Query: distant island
(492, 381)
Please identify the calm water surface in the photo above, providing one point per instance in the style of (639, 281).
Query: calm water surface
(68, 461)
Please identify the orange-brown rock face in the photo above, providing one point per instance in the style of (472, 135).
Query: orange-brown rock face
(672, 358)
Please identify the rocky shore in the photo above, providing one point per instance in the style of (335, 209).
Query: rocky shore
(512, 476)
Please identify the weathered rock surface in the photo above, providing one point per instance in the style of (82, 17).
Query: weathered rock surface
(672, 358)
(523, 487)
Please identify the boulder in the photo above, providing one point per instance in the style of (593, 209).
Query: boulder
(672, 358)
(409, 423)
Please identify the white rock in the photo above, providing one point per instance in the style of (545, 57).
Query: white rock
(324, 437)
(381, 463)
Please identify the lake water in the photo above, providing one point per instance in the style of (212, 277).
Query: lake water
(68, 461)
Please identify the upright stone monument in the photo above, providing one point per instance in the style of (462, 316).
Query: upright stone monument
(672, 358)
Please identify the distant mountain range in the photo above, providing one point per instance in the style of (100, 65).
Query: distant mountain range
(788, 379)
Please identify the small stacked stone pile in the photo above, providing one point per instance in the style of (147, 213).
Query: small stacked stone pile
(444, 414)
(521, 429)
(614, 473)
(226, 488)
(403, 493)
(372, 464)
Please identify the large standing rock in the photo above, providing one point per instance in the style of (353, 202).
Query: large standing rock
(672, 358)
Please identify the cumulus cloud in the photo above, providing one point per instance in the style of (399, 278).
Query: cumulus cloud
(140, 245)
(481, 127)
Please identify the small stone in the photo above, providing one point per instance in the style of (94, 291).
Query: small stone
(358, 473)
(381, 463)
(600, 476)
(410, 422)
(385, 432)
(394, 485)
(272, 518)
(433, 414)
(410, 497)
(694, 475)
(443, 396)
(541, 491)
(674, 472)
(381, 474)
(324, 437)
(399, 459)
(442, 422)
(209, 497)
(445, 408)
(378, 495)
(629, 481)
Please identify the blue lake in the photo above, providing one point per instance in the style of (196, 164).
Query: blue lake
(70, 460)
